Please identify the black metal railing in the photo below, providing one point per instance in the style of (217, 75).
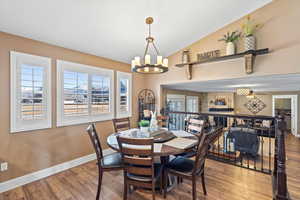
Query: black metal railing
(265, 134)
(247, 141)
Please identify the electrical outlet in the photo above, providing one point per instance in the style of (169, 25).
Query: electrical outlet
(3, 166)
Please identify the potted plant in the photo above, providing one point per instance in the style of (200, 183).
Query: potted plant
(249, 28)
(230, 39)
(144, 125)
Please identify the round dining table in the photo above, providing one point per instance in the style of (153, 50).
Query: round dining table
(161, 150)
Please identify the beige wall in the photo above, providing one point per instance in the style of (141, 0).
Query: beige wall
(241, 109)
(34, 150)
(280, 33)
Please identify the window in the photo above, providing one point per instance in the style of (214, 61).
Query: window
(124, 84)
(84, 93)
(30, 92)
(176, 102)
(192, 104)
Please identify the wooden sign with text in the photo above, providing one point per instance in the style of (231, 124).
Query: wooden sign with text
(208, 55)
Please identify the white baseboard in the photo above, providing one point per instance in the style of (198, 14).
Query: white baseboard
(28, 178)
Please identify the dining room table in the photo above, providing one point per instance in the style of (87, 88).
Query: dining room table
(162, 147)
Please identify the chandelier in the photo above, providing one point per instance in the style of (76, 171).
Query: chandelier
(144, 65)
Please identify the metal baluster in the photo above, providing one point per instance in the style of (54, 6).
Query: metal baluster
(218, 153)
(241, 155)
(270, 151)
(223, 153)
(262, 154)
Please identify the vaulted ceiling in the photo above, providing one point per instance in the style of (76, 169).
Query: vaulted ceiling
(115, 28)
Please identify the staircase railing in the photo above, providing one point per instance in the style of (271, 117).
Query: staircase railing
(272, 153)
(280, 191)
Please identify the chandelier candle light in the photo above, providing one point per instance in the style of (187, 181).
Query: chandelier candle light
(144, 65)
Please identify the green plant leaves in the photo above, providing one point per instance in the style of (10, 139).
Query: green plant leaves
(231, 37)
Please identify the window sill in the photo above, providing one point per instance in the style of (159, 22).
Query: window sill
(83, 120)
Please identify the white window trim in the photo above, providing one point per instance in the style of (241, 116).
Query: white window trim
(128, 76)
(27, 125)
(66, 121)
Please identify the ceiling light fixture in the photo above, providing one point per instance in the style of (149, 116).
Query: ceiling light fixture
(144, 65)
(243, 91)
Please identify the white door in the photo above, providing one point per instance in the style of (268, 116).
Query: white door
(294, 111)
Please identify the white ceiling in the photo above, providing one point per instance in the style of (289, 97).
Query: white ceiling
(271, 83)
(115, 28)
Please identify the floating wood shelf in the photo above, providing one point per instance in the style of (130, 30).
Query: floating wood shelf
(249, 57)
(221, 58)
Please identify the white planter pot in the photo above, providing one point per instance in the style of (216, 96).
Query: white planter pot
(250, 43)
(144, 129)
(230, 48)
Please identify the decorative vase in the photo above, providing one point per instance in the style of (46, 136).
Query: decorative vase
(144, 129)
(185, 56)
(230, 48)
(250, 43)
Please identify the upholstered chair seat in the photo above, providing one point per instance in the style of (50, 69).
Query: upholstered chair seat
(181, 164)
(112, 160)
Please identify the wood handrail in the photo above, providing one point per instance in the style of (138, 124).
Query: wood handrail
(265, 117)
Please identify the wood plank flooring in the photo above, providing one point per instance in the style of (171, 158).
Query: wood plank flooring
(224, 182)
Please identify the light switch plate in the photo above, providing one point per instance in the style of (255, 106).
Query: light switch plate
(3, 166)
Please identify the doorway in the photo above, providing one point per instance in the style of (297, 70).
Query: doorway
(287, 105)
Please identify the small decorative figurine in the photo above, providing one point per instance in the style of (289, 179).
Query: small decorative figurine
(153, 122)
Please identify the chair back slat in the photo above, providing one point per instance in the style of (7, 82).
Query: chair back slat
(137, 156)
(121, 124)
(197, 121)
(144, 171)
(95, 141)
(195, 126)
(137, 160)
(132, 151)
(136, 141)
(192, 128)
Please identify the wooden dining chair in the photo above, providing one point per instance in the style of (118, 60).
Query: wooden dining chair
(110, 162)
(121, 124)
(163, 121)
(190, 169)
(138, 161)
(195, 127)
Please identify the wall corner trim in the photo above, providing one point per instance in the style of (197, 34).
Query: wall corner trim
(29, 178)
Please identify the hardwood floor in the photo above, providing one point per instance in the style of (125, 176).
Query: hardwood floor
(223, 181)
